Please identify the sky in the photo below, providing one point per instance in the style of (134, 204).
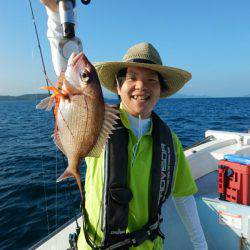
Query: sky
(210, 39)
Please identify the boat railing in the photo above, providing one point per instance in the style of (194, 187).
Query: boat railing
(207, 139)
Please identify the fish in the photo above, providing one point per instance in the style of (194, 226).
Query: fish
(83, 121)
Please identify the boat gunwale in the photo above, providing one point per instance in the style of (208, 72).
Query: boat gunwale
(52, 234)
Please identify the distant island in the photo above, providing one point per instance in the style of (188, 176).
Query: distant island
(35, 97)
(23, 97)
(189, 96)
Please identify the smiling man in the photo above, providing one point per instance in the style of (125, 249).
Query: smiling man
(139, 90)
(143, 163)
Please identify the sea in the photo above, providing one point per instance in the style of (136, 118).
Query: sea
(32, 204)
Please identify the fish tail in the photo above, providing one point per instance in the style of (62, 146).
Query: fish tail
(68, 173)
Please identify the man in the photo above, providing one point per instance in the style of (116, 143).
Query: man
(143, 162)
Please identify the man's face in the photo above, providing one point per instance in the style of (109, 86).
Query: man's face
(140, 91)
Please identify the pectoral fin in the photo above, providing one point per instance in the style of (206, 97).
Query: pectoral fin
(46, 103)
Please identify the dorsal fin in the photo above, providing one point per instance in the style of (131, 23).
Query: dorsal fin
(110, 116)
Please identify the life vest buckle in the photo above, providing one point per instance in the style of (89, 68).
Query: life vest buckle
(140, 236)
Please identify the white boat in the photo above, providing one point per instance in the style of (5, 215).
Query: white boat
(226, 224)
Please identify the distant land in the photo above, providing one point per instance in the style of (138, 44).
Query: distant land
(190, 96)
(41, 96)
(23, 97)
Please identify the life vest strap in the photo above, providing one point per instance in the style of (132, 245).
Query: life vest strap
(148, 232)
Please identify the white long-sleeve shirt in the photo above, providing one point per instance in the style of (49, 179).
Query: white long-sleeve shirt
(185, 206)
(54, 35)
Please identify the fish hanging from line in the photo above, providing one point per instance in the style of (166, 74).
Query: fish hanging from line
(83, 122)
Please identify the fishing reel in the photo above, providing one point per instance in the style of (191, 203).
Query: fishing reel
(69, 43)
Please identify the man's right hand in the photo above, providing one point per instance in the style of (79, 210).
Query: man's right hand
(51, 4)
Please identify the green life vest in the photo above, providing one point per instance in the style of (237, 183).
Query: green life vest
(116, 194)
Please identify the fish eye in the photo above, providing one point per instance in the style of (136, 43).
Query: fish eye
(84, 77)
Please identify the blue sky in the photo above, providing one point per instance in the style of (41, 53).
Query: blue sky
(211, 39)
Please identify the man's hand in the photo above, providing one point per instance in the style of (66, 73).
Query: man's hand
(51, 4)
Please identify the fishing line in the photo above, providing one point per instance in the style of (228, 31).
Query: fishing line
(45, 74)
(66, 193)
(70, 191)
(56, 190)
(48, 82)
(43, 171)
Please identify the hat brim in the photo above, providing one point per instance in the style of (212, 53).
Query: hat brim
(173, 77)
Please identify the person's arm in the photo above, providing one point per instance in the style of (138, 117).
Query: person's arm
(187, 210)
(54, 35)
(183, 191)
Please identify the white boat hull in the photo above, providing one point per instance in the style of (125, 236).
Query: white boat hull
(203, 160)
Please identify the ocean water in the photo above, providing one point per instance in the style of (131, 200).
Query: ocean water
(32, 204)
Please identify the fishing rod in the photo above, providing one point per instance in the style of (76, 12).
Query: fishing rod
(39, 45)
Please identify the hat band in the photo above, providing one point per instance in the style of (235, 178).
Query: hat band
(139, 60)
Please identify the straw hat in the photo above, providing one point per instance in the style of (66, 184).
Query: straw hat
(146, 56)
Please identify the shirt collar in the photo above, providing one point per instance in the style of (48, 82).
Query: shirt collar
(126, 123)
